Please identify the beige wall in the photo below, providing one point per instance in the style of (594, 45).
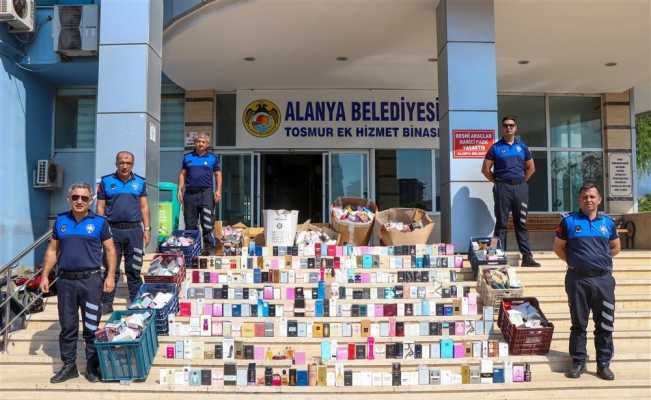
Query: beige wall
(199, 112)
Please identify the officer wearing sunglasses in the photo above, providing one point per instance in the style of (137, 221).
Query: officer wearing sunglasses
(509, 165)
(78, 237)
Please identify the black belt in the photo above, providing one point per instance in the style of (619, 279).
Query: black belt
(197, 189)
(125, 225)
(78, 274)
(590, 273)
(510, 181)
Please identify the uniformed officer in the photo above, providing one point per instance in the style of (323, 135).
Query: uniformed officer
(587, 241)
(122, 198)
(512, 166)
(76, 247)
(195, 189)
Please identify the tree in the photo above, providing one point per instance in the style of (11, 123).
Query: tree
(643, 143)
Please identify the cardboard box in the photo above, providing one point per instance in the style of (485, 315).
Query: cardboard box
(355, 233)
(406, 216)
(317, 227)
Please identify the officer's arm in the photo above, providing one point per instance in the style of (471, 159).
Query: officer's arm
(144, 210)
(109, 250)
(101, 207)
(559, 248)
(486, 170)
(530, 168)
(181, 188)
(50, 258)
(218, 180)
(615, 247)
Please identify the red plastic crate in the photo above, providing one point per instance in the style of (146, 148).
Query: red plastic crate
(176, 279)
(521, 340)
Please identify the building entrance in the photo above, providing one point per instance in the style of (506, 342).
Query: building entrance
(293, 181)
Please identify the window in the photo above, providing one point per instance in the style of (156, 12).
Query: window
(225, 131)
(404, 178)
(575, 121)
(74, 126)
(530, 113)
(538, 192)
(172, 120)
(571, 170)
(574, 125)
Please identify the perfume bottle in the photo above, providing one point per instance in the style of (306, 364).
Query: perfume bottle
(311, 373)
(284, 379)
(269, 355)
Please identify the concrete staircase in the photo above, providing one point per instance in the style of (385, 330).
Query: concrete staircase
(33, 354)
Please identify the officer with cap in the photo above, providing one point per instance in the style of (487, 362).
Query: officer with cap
(122, 198)
(587, 241)
(195, 189)
(509, 165)
(78, 237)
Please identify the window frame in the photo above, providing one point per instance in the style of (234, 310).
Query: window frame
(77, 92)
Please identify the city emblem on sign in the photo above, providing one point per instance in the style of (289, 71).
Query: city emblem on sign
(261, 118)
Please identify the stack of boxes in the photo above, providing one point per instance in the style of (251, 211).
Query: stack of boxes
(361, 316)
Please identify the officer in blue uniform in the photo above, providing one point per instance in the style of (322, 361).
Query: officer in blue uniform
(587, 241)
(195, 189)
(78, 237)
(509, 165)
(122, 198)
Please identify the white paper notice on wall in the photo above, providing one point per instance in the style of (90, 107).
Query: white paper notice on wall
(152, 132)
(620, 182)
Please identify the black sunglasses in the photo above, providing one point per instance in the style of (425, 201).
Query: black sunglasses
(77, 197)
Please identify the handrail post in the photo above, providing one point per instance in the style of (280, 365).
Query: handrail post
(7, 310)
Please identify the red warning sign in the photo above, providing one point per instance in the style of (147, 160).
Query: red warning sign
(472, 143)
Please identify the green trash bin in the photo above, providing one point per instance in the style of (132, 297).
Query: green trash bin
(168, 210)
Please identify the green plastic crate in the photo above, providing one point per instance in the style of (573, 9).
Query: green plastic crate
(128, 360)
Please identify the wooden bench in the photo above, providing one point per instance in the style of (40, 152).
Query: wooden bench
(539, 222)
(549, 222)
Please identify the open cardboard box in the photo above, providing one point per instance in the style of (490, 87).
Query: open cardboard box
(406, 216)
(355, 233)
(318, 227)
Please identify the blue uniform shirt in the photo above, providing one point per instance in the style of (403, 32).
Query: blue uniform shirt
(509, 160)
(80, 243)
(588, 242)
(199, 170)
(122, 198)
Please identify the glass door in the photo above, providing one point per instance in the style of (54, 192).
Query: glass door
(347, 175)
(237, 188)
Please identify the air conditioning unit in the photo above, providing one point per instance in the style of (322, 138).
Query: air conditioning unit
(75, 30)
(19, 14)
(47, 175)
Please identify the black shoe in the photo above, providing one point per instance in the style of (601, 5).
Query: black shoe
(528, 261)
(107, 308)
(605, 373)
(576, 370)
(68, 371)
(92, 373)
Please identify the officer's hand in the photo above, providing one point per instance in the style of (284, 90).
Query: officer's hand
(179, 196)
(109, 284)
(147, 237)
(218, 196)
(45, 284)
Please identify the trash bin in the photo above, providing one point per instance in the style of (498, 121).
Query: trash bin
(168, 210)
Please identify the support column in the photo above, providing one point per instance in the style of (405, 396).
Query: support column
(129, 90)
(618, 136)
(468, 100)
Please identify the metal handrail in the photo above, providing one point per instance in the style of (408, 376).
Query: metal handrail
(6, 269)
(46, 236)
